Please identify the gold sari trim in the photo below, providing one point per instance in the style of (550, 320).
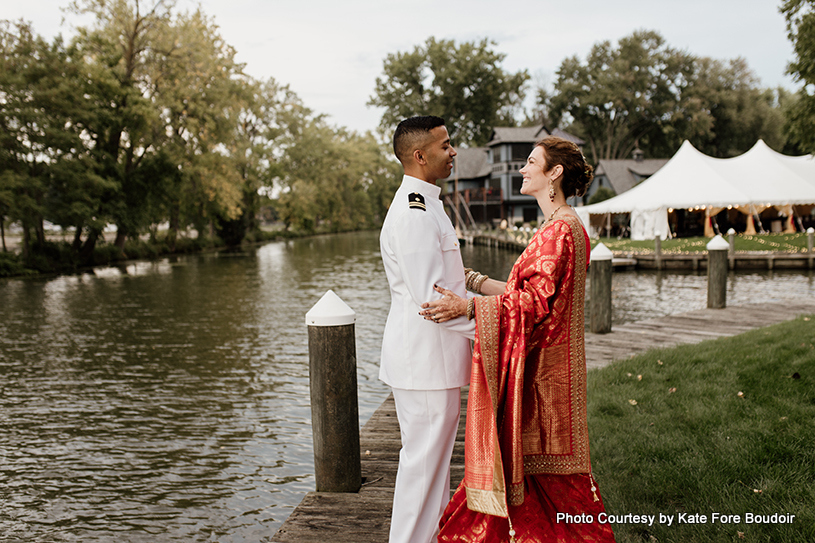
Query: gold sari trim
(541, 331)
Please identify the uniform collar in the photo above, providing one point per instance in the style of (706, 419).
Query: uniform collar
(423, 187)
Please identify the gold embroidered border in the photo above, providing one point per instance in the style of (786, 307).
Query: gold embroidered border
(579, 460)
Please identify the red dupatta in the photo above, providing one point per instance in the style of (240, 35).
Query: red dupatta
(526, 410)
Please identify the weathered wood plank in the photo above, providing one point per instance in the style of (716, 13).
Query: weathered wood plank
(364, 517)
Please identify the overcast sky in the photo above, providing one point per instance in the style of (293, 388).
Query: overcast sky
(330, 52)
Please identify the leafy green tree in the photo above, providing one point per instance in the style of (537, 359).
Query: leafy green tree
(620, 96)
(465, 84)
(333, 179)
(44, 152)
(800, 115)
(120, 48)
(723, 111)
(644, 93)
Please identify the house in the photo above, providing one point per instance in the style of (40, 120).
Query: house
(623, 174)
(487, 179)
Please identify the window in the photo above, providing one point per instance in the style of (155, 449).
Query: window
(520, 151)
(517, 181)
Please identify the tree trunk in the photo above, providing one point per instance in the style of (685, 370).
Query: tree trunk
(3, 232)
(172, 232)
(77, 243)
(121, 237)
(26, 250)
(86, 253)
(40, 229)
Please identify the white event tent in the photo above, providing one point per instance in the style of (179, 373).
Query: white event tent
(752, 182)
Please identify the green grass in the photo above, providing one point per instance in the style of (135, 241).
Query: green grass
(794, 243)
(726, 426)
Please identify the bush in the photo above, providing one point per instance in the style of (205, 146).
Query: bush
(10, 265)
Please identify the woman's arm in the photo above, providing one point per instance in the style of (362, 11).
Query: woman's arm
(491, 287)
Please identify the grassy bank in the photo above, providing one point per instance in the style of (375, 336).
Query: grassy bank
(723, 427)
(57, 256)
(791, 243)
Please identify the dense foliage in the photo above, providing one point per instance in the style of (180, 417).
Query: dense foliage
(146, 118)
(800, 16)
(646, 94)
(464, 84)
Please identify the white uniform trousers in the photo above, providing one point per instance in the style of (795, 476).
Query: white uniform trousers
(428, 421)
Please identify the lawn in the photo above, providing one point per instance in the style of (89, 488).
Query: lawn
(794, 243)
(725, 427)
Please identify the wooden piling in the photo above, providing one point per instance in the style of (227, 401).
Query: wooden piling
(333, 387)
(717, 270)
(600, 295)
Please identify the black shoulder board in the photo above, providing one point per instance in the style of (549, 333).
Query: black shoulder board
(416, 200)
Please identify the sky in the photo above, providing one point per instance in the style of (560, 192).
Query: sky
(331, 52)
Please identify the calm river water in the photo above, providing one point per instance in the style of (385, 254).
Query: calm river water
(169, 401)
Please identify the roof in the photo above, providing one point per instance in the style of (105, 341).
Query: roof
(527, 134)
(471, 163)
(624, 174)
(520, 134)
(566, 136)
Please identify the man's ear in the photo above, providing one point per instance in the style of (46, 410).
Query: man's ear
(418, 156)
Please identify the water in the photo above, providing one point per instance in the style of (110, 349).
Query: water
(168, 400)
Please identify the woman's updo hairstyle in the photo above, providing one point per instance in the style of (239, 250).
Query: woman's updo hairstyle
(577, 173)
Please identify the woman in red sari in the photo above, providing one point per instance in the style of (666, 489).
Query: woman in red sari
(527, 468)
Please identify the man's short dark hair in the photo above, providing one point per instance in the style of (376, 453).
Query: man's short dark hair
(410, 132)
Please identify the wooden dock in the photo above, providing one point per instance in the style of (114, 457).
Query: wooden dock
(364, 517)
(740, 260)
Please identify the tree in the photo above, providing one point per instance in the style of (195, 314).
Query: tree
(464, 84)
(646, 94)
(800, 115)
(723, 111)
(44, 151)
(620, 97)
(332, 179)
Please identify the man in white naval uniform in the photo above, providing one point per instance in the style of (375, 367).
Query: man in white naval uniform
(424, 363)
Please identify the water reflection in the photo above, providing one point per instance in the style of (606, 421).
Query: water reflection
(168, 400)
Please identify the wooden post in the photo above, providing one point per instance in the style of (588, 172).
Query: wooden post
(600, 270)
(333, 384)
(717, 269)
(810, 256)
(658, 250)
(731, 238)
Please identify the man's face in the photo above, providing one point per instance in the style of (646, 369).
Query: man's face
(439, 153)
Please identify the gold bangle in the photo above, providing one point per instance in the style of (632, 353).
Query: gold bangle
(468, 279)
(471, 309)
(480, 282)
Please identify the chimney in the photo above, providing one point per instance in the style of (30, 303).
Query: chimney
(638, 154)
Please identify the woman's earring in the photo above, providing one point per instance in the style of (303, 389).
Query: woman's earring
(551, 191)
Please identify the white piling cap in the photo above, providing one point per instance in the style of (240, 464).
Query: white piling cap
(601, 252)
(718, 243)
(330, 311)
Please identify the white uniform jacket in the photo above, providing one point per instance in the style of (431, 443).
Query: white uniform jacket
(420, 249)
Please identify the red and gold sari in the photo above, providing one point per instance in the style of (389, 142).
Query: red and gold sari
(527, 446)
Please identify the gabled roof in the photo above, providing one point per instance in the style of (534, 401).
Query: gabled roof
(527, 134)
(471, 163)
(521, 134)
(624, 174)
(566, 136)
